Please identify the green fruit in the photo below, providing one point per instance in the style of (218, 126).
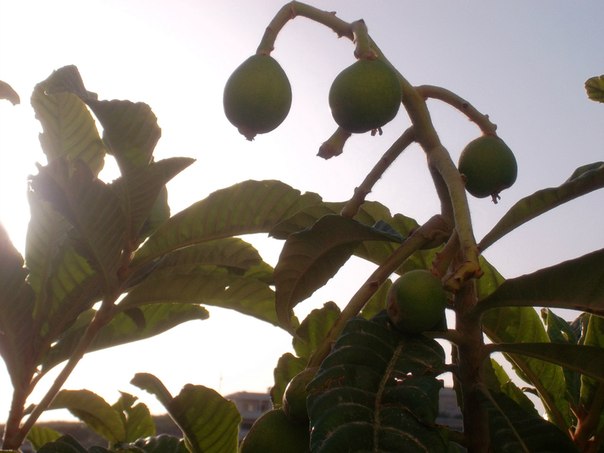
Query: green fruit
(273, 432)
(488, 166)
(294, 397)
(416, 301)
(365, 96)
(257, 97)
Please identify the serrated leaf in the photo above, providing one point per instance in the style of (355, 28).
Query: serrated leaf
(576, 284)
(311, 257)
(514, 430)
(94, 411)
(7, 92)
(100, 232)
(209, 422)
(588, 360)
(122, 329)
(377, 391)
(69, 130)
(244, 208)
(586, 179)
(594, 86)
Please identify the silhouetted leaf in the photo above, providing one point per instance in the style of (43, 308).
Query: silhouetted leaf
(209, 422)
(158, 318)
(594, 86)
(94, 411)
(590, 395)
(523, 325)
(377, 391)
(586, 179)
(66, 444)
(138, 190)
(16, 313)
(245, 208)
(512, 429)
(208, 285)
(576, 284)
(100, 232)
(588, 360)
(560, 331)
(130, 131)
(311, 257)
(69, 130)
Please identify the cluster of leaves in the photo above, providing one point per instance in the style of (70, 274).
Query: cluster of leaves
(107, 264)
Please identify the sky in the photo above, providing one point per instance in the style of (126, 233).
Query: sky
(523, 63)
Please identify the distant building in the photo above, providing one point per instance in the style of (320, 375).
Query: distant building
(253, 405)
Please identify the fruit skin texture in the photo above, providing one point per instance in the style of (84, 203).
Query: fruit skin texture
(257, 96)
(416, 301)
(488, 165)
(365, 96)
(273, 432)
(294, 397)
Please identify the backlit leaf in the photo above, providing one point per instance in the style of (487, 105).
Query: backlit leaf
(595, 88)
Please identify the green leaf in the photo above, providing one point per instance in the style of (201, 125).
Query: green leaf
(40, 435)
(377, 390)
(588, 360)
(138, 191)
(586, 179)
(156, 319)
(314, 328)
(100, 232)
(311, 257)
(209, 285)
(7, 92)
(594, 86)
(69, 130)
(130, 131)
(523, 325)
(560, 331)
(576, 284)
(287, 367)
(64, 444)
(512, 429)
(136, 418)
(209, 422)
(94, 411)
(16, 308)
(163, 443)
(64, 282)
(245, 208)
(590, 395)
(506, 386)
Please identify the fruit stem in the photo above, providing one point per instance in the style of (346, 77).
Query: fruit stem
(456, 101)
(435, 227)
(334, 145)
(293, 9)
(352, 206)
(363, 49)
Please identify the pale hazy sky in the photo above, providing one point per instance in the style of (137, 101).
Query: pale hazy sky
(523, 63)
